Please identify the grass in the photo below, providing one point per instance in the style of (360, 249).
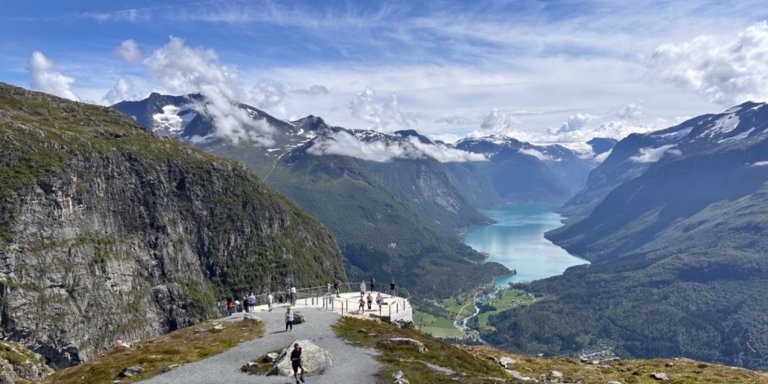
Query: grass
(680, 371)
(503, 300)
(437, 326)
(457, 308)
(446, 363)
(463, 366)
(161, 354)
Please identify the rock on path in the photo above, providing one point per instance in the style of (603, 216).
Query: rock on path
(350, 364)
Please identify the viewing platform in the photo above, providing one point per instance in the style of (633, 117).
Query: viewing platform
(394, 308)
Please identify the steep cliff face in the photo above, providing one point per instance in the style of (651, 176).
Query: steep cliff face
(107, 231)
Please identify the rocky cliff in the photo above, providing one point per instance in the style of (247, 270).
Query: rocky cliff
(107, 231)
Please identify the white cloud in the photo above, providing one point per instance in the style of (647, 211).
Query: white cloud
(269, 96)
(650, 154)
(445, 154)
(601, 157)
(760, 164)
(122, 91)
(129, 52)
(46, 79)
(454, 120)
(345, 144)
(378, 114)
(183, 70)
(498, 123)
(630, 112)
(314, 90)
(576, 122)
(535, 153)
(728, 71)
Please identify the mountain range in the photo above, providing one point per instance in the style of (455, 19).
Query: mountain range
(396, 201)
(107, 231)
(674, 223)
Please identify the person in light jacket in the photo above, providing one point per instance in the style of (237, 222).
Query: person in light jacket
(289, 319)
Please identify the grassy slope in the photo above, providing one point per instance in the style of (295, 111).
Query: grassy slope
(467, 364)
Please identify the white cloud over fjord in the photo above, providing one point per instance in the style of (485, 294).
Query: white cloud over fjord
(728, 70)
(345, 144)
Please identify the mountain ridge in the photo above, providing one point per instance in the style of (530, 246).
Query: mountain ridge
(107, 231)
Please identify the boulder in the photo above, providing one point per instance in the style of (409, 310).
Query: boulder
(660, 376)
(272, 357)
(506, 361)
(613, 382)
(130, 371)
(405, 341)
(299, 318)
(519, 376)
(400, 378)
(556, 374)
(314, 359)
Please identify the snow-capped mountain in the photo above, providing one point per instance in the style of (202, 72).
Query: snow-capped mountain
(672, 174)
(635, 154)
(184, 118)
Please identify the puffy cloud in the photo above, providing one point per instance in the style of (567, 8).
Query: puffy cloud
(129, 52)
(269, 96)
(273, 97)
(650, 154)
(576, 122)
(46, 79)
(169, 120)
(630, 112)
(727, 71)
(760, 164)
(345, 144)
(378, 114)
(597, 126)
(123, 90)
(498, 123)
(183, 69)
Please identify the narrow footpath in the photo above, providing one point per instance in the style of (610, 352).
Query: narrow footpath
(351, 364)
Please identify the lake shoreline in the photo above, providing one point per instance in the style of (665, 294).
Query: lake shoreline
(517, 240)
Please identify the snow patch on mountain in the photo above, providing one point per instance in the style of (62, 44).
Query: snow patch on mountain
(650, 154)
(723, 125)
(738, 137)
(169, 121)
(674, 135)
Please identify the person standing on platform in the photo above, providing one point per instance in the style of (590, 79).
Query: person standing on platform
(362, 287)
(289, 319)
(373, 284)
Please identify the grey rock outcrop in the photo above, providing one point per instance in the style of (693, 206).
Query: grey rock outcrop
(107, 231)
(314, 359)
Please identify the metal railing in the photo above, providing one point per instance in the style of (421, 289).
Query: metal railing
(325, 297)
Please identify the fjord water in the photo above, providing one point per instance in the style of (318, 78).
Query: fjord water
(517, 241)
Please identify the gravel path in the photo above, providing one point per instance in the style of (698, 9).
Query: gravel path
(350, 364)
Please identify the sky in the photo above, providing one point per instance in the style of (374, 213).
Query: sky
(539, 71)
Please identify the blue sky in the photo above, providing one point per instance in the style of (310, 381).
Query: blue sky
(543, 71)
